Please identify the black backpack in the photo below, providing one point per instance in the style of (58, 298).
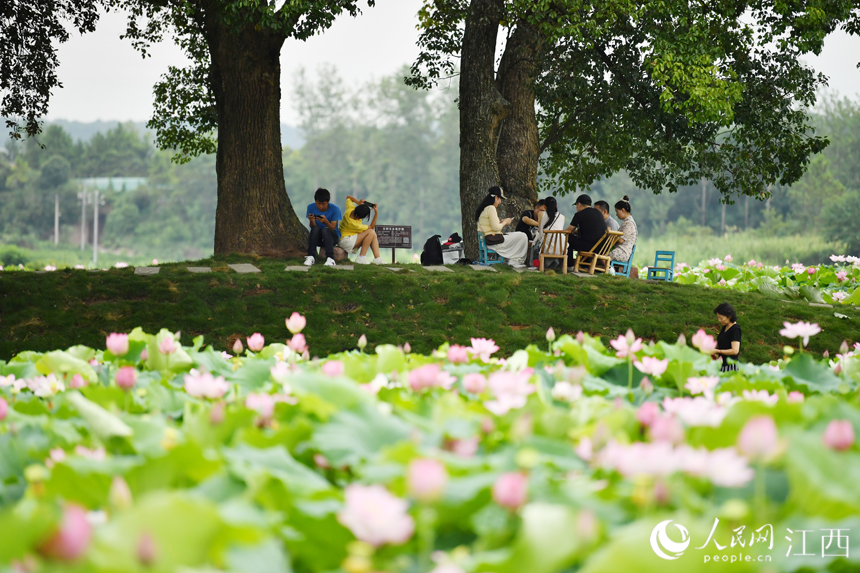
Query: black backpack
(432, 254)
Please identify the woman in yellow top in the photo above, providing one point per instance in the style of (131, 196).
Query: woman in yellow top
(514, 246)
(355, 236)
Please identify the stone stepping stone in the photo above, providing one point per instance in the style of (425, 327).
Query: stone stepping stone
(588, 276)
(528, 270)
(487, 269)
(200, 269)
(298, 269)
(147, 271)
(244, 268)
(439, 269)
(820, 305)
(396, 269)
(342, 267)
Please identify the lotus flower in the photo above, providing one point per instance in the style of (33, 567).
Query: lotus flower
(511, 490)
(839, 435)
(652, 366)
(839, 296)
(666, 429)
(626, 345)
(4, 409)
(483, 348)
(760, 396)
(256, 342)
(126, 377)
(297, 343)
(702, 385)
(119, 495)
(167, 346)
(550, 334)
(117, 344)
(510, 391)
(333, 368)
(802, 330)
(204, 385)
(704, 342)
(237, 347)
(458, 354)
(426, 479)
(811, 270)
(842, 276)
(798, 268)
(795, 397)
(759, 438)
(430, 376)
(474, 383)
(72, 539)
(375, 516)
(147, 549)
(77, 381)
(566, 392)
(362, 342)
(262, 403)
(647, 413)
(296, 323)
(728, 258)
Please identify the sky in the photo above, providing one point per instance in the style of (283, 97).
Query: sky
(105, 79)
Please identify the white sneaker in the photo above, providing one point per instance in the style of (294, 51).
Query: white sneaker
(309, 260)
(362, 260)
(517, 265)
(329, 262)
(378, 261)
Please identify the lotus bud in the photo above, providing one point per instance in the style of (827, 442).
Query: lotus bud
(362, 342)
(550, 335)
(237, 347)
(119, 495)
(126, 377)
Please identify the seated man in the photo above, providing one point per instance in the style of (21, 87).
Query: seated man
(603, 207)
(528, 223)
(323, 217)
(588, 226)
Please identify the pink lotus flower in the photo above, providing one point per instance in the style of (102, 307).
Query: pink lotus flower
(321, 462)
(801, 330)
(811, 270)
(842, 276)
(760, 396)
(510, 391)
(237, 347)
(154, 261)
(728, 258)
(375, 516)
(117, 344)
(4, 409)
(652, 366)
(72, 539)
(77, 381)
(147, 549)
(550, 334)
(406, 348)
(256, 342)
(511, 490)
(585, 449)
(839, 296)
(144, 355)
(795, 397)
(751, 263)
(119, 494)
(296, 323)
(167, 346)
(567, 392)
(759, 438)
(121, 265)
(722, 282)
(704, 342)
(41, 386)
(647, 413)
(580, 337)
(666, 430)
(262, 403)
(126, 377)
(474, 383)
(483, 348)
(458, 354)
(297, 343)
(777, 269)
(362, 342)
(96, 454)
(204, 385)
(465, 448)
(626, 345)
(798, 268)
(698, 411)
(430, 376)
(839, 435)
(426, 479)
(333, 368)
(721, 267)
(714, 262)
(702, 385)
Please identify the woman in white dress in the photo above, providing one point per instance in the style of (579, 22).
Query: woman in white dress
(514, 245)
(624, 248)
(551, 220)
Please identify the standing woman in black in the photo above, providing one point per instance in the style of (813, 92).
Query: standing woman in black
(729, 338)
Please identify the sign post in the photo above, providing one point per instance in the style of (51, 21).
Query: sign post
(394, 237)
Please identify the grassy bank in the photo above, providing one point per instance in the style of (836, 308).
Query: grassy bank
(63, 308)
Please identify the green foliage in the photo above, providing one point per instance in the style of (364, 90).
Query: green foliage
(837, 220)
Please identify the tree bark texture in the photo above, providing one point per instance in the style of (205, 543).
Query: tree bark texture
(519, 141)
(482, 109)
(254, 214)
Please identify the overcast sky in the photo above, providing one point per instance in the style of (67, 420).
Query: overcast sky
(104, 78)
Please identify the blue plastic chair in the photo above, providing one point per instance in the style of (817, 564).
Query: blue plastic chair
(659, 273)
(484, 253)
(625, 267)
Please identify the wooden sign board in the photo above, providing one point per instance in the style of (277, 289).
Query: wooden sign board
(394, 237)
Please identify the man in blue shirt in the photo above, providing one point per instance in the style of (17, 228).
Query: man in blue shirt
(323, 217)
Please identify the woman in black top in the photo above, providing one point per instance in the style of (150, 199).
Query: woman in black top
(729, 338)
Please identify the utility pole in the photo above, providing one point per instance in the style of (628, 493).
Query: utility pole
(56, 219)
(704, 199)
(82, 195)
(723, 222)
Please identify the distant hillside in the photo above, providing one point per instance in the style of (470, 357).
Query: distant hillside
(79, 130)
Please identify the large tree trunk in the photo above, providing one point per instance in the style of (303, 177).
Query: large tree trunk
(482, 109)
(519, 142)
(254, 214)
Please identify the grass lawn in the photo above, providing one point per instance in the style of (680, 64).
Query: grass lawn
(60, 309)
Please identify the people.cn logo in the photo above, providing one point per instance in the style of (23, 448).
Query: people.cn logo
(663, 546)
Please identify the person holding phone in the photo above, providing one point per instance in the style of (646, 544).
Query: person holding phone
(323, 217)
(356, 236)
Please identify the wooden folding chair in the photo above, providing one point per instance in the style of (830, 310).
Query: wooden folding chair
(599, 254)
(554, 242)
